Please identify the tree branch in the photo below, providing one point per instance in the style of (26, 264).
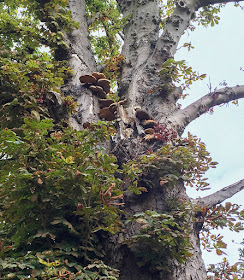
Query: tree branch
(175, 27)
(203, 3)
(183, 117)
(221, 195)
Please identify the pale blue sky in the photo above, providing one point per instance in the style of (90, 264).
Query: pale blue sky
(219, 53)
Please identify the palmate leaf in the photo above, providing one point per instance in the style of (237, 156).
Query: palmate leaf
(60, 220)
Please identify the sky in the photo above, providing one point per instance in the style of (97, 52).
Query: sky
(219, 53)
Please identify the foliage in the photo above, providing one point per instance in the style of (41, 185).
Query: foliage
(42, 267)
(225, 271)
(105, 27)
(27, 76)
(185, 159)
(26, 81)
(177, 72)
(60, 193)
(54, 190)
(161, 236)
(163, 134)
(166, 10)
(208, 15)
(32, 24)
(113, 66)
(219, 217)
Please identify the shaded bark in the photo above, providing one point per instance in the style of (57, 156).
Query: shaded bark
(122, 255)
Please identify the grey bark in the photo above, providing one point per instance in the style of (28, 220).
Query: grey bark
(221, 195)
(175, 27)
(81, 61)
(182, 118)
(212, 2)
(122, 256)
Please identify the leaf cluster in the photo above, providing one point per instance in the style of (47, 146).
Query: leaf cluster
(33, 24)
(55, 192)
(185, 159)
(224, 270)
(219, 217)
(177, 72)
(208, 15)
(26, 81)
(161, 236)
(44, 266)
(106, 23)
(166, 9)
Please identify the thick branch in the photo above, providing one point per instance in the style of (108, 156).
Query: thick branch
(221, 195)
(81, 57)
(183, 117)
(81, 61)
(203, 3)
(175, 27)
(140, 36)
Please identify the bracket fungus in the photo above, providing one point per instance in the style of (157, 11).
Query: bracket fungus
(98, 75)
(99, 85)
(105, 102)
(149, 123)
(121, 102)
(87, 79)
(113, 107)
(149, 131)
(105, 84)
(149, 137)
(99, 90)
(107, 114)
(142, 115)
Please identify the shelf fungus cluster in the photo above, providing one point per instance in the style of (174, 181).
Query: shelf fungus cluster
(100, 86)
(97, 83)
(148, 123)
(109, 108)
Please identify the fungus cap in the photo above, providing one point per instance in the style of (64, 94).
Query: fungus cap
(142, 115)
(105, 102)
(113, 107)
(98, 75)
(105, 84)
(87, 79)
(149, 137)
(99, 90)
(149, 131)
(107, 114)
(149, 123)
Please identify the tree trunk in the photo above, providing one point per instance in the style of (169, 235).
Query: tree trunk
(144, 88)
(122, 256)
